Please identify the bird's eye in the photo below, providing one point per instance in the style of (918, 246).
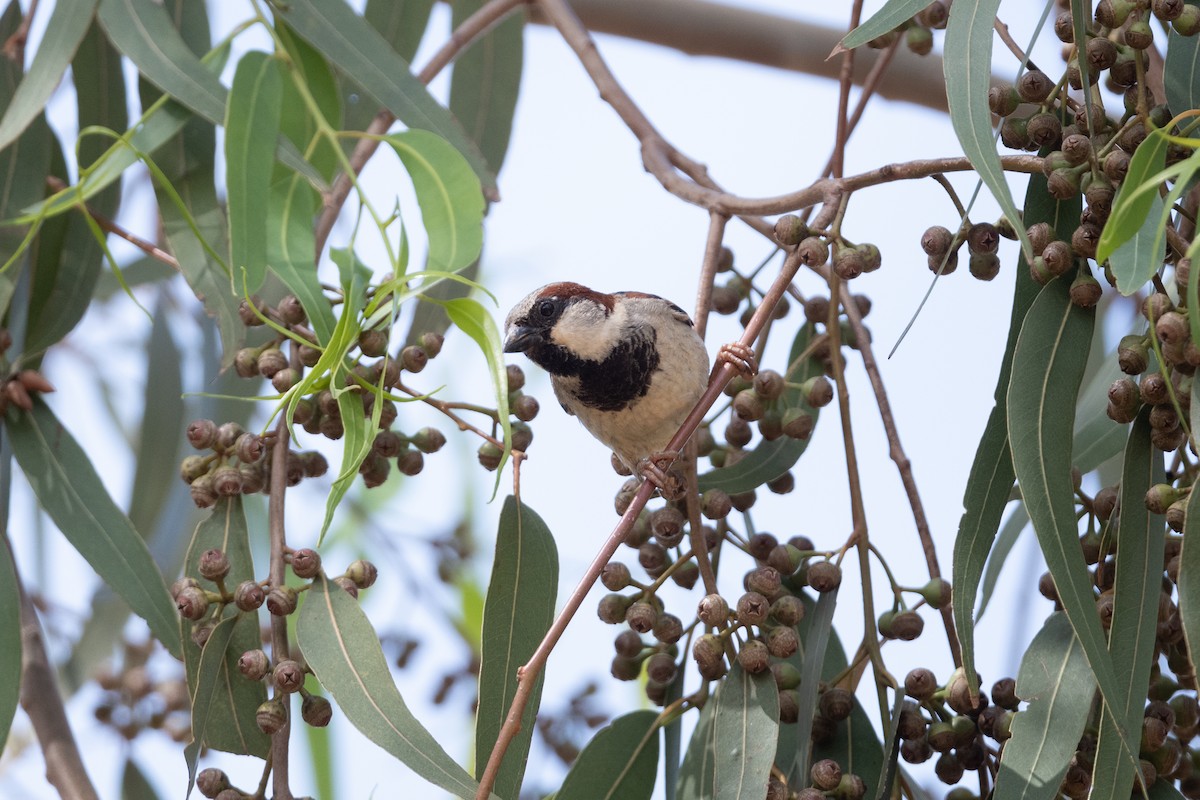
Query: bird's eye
(545, 309)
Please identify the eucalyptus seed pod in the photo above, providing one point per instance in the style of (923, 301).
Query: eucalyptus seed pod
(271, 716)
(1133, 354)
(790, 230)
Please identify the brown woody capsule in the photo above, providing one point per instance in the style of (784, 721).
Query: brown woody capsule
(826, 774)
(254, 664)
(202, 433)
(306, 563)
(1133, 354)
(271, 717)
(211, 782)
(754, 657)
(282, 600)
(788, 610)
(1188, 21)
(1003, 100)
(192, 603)
(249, 595)
(1085, 239)
(1064, 28)
(1044, 129)
(752, 609)
(984, 266)
(641, 616)
(937, 241)
(824, 576)
(1085, 290)
(316, 710)
(983, 238)
(214, 565)
(790, 230)
(907, 625)
(288, 676)
(836, 703)
(812, 251)
(783, 641)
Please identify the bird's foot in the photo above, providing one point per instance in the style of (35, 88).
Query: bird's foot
(655, 468)
(740, 357)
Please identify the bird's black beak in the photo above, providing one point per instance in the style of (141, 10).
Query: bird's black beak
(521, 338)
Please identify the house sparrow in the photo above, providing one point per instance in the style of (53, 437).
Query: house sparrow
(629, 365)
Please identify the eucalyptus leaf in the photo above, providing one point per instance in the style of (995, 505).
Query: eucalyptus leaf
(343, 651)
(621, 761)
(1189, 577)
(890, 17)
(991, 478)
(69, 490)
(1048, 365)
(357, 49)
(967, 64)
(1131, 639)
(69, 21)
(698, 773)
(486, 81)
(1181, 73)
(251, 128)
(10, 641)
(1058, 684)
(449, 194)
(401, 23)
(516, 615)
(744, 730)
(1133, 204)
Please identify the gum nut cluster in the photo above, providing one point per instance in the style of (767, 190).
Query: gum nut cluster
(135, 698)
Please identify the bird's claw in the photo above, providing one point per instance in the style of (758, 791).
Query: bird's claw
(654, 468)
(740, 357)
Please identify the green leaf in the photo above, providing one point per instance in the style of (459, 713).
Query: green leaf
(1013, 527)
(1138, 258)
(357, 49)
(1058, 684)
(142, 31)
(251, 128)
(1131, 639)
(855, 745)
(472, 319)
(967, 63)
(1097, 438)
(516, 615)
(155, 471)
(1133, 203)
(70, 491)
(449, 194)
(343, 651)
(1189, 577)
(769, 460)
(10, 641)
(698, 773)
(187, 161)
(486, 81)
(401, 23)
(1048, 366)
(816, 630)
(893, 14)
(23, 167)
(619, 763)
(62, 289)
(744, 732)
(69, 21)
(228, 700)
(134, 784)
(1181, 73)
(295, 122)
(291, 250)
(991, 477)
(891, 739)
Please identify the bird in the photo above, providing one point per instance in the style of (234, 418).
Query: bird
(629, 365)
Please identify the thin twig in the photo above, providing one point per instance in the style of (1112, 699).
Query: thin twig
(472, 28)
(43, 703)
(279, 633)
(108, 226)
(708, 273)
(527, 675)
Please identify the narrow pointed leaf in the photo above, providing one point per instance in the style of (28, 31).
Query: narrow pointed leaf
(449, 194)
(70, 491)
(698, 773)
(1012, 529)
(967, 64)
(1057, 682)
(230, 701)
(213, 682)
(769, 460)
(516, 615)
(893, 14)
(745, 729)
(296, 123)
(1189, 577)
(62, 289)
(69, 21)
(815, 632)
(1139, 560)
(357, 49)
(134, 783)
(891, 750)
(291, 250)
(1136, 260)
(401, 23)
(619, 763)
(991, 478)
(251, 128)
(343, 651)
(142, 31)
(1133, 203)
(486, 80)
(159, 437)
(1181, 74)
(10, 642)
(1048, 366)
